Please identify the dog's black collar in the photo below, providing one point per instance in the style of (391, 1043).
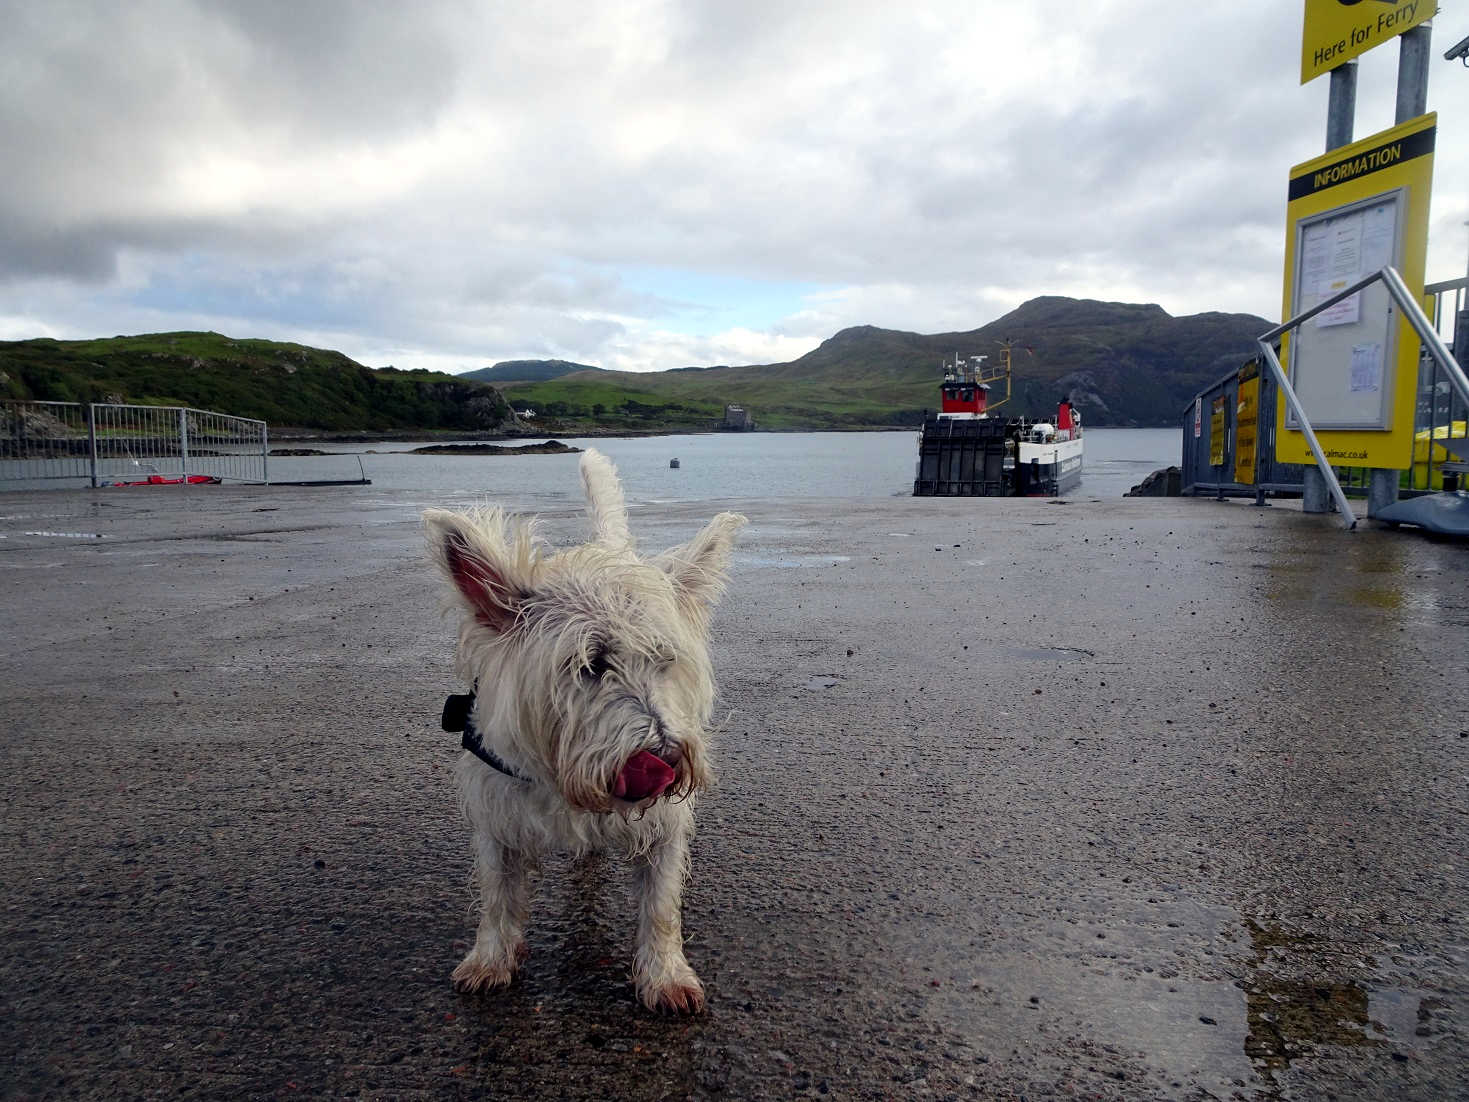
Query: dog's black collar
(458, 716)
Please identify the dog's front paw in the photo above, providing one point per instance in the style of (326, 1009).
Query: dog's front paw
(481, 973)
(681, 995)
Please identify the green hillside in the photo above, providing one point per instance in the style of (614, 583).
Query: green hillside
(1122, 363)
(289, 385)
(525, 371)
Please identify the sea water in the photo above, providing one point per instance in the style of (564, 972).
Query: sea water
(711, 466)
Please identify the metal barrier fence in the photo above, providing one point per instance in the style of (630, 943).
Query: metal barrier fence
(1212, 447)
(1219, 437)
(1440, 458)
(103, 444)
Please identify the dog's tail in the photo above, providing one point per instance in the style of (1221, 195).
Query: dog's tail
(605, 504)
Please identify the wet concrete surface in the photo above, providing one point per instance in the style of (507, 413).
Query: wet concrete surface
(1138, 799)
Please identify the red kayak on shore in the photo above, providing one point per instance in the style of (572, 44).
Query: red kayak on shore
(159, 480)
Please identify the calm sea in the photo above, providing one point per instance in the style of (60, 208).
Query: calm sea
(774, 465)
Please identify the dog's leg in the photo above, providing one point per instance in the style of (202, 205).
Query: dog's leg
(503, 876)
(662, 973)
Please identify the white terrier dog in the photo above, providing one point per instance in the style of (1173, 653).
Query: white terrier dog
(593, 691)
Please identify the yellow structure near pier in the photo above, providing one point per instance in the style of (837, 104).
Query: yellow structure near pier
(1336, 32)
(1246, 423)
(1354, 366)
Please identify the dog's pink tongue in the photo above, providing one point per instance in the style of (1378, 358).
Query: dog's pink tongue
(644, 775)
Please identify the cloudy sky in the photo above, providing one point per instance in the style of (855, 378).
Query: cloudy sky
(646, 184)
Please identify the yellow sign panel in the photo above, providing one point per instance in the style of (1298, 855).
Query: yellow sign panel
(1216, 432)
(1354, 366)
(1246, 419)
(1338, 30)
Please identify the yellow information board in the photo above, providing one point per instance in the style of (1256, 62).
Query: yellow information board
(1335, 31)
(1354, 367)
(1246, 420)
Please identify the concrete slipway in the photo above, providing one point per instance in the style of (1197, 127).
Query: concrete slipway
(1138, 799)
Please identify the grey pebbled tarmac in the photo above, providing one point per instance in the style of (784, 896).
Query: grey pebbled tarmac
(1139, 799)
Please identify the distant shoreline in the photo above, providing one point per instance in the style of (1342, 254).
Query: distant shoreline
(403, 436)
(398, 436)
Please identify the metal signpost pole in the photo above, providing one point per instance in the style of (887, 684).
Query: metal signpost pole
(1341, 114)
(1341, 107)
(1413, 72)
(1382, 485)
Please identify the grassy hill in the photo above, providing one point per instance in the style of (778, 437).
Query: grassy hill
(1122, 363)
(525, 371)
(289, 385)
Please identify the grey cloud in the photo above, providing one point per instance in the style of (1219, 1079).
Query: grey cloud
(528, 154)
(36, 251)
(337, 67)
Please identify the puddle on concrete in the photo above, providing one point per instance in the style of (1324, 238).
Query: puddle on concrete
(1302, 1001)
(1058, 654)
(823, 681)
(1291, 1016)
(1149, 984)
(89, 510)
(1292, 1019)
(792, 562)
(1373, 597)
(1193, 996)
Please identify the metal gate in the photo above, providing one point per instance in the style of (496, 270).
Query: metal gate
(102, 444)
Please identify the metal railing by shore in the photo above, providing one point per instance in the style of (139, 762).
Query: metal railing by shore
(103, 443)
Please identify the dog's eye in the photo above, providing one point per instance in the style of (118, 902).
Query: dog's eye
(596, 666)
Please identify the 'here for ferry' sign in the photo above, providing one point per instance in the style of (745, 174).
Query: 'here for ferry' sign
(1338, 30)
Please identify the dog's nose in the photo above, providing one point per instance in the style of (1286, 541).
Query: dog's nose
(671, 753)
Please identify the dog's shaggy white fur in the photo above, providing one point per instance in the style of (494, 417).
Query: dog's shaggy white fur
(583, 659)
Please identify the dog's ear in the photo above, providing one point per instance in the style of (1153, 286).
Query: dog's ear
(605, 504)
(469, 561)
(698, 568)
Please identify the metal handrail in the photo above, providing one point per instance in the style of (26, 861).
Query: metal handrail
(1420, 323)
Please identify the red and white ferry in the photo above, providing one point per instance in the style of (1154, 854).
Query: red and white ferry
(966, 451)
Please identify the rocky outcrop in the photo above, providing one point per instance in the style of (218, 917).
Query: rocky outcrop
(1164, 482)
(550, 447)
